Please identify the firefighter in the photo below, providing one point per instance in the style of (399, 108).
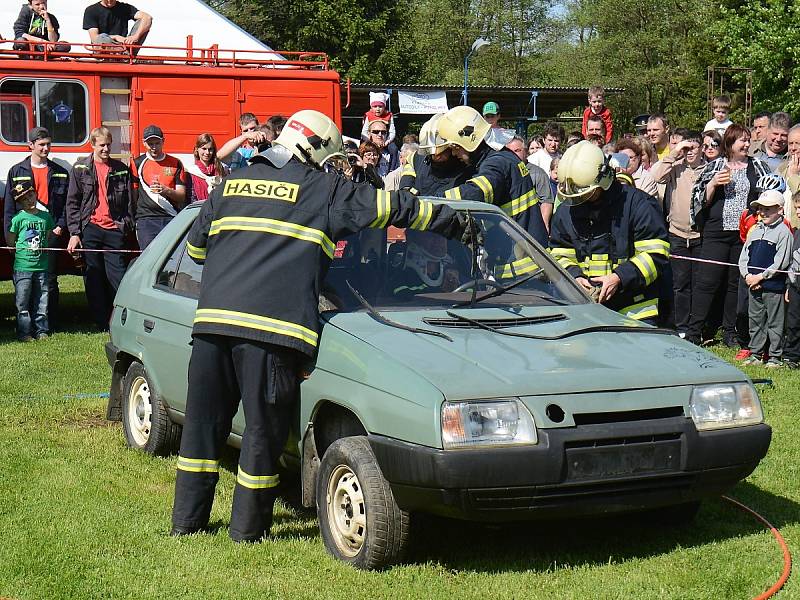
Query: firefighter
(432, 169)
(610, 237)
(500, 177)
(267, 235)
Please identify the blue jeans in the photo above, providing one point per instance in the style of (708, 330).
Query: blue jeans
(147, 228)
(31, 292)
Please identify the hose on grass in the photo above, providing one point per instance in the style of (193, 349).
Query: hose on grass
(787, 556)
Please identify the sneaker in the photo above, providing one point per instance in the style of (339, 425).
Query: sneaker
(791, 364)
(774, 363)
(751, 360)
(42, 336)
(25, 339)
(743, 354)
(730, 341)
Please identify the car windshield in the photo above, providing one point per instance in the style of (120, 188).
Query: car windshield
(397, 269)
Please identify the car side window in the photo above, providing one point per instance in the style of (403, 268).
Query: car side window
(166, 276)
(187, 279)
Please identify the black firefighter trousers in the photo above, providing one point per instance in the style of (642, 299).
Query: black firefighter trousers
(223, 370)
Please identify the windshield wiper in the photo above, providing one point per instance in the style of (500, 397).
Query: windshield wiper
(590, 329)
(503, 289)
(381, 319)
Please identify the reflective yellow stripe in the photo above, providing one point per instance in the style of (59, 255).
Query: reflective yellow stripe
(453, 194)
(20, 179)
(408, 168)
(384, 209)
(486, 188)
(120, 173)
(423, 216)
(647, 267)
(64, 175)
(654, 246)
(566, 257)
(198, 465)
(410, 288)
(195, 252)
(256, 482)
(642, 310)
(250, 321)
(516, 268)
(262, 225)
(521, 204)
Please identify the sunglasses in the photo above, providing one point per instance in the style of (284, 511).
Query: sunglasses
(710, 146)
(380, 131)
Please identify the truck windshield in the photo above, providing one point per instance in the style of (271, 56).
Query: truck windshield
(406, 269)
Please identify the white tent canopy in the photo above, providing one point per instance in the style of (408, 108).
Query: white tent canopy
(173, 20)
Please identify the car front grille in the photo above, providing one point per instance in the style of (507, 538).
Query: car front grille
(494, 323)
(527, 498)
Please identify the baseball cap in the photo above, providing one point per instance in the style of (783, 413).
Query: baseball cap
(769, 198)
(491, 108)
(152, 131)
(38, 133)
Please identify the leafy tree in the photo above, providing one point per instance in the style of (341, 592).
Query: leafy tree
(765, 36)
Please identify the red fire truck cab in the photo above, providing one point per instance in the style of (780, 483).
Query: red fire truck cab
(185, 91)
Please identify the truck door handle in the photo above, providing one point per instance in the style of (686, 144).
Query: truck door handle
(148, 325)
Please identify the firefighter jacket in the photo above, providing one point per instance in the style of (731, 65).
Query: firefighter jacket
(57, 184)
(82, 195)
(425, 177)
(623, 232)
(501, 178)
(267, 236)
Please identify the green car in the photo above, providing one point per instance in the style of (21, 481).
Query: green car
(481, 385)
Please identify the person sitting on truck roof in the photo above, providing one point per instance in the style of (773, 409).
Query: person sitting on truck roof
(236, 152)
(107, 23)
(160, 180)
(36, 24)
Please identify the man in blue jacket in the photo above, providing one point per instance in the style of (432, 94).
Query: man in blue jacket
(51, 182)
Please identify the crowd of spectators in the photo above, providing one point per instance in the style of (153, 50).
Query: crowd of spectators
(724, 193)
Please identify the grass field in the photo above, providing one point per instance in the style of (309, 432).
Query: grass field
(81, 516)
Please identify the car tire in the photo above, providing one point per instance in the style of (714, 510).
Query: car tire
(145, 421)
(359, 519)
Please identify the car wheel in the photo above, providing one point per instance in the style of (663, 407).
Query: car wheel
(144, 419)
(359, 520)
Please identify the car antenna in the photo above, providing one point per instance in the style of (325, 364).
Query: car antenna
(474, 251)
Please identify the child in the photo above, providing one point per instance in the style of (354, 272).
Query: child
(598, 107)
(378, 112)
(791, 355)
(721, 106)
(768, 249)
(28, 233)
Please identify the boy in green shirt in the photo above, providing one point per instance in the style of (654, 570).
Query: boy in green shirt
(28, 234)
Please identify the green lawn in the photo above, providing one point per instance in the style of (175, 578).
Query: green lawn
(81, 516)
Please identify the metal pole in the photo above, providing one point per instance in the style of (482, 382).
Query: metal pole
(466, 78)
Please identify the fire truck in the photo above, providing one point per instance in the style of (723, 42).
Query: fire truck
(184, 90)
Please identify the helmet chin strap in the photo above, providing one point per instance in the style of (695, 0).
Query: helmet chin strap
(307, 156)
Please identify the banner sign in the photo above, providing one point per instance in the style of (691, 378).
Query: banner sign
(422, 103)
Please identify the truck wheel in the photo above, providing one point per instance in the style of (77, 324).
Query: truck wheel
(359, 520)
(144, 419)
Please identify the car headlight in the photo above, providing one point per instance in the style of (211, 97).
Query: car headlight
(725, 405)
(481, 423)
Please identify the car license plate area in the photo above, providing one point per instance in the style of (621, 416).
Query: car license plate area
(618, 461)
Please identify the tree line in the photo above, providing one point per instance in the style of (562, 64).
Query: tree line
(659, 50)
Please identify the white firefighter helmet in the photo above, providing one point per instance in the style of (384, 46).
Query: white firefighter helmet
(311, 137)
(462, 126)
(582, 170)
(426, 255)
(428, 136)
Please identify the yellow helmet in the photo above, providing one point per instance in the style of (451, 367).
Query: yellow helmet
(581, 170)
(462, 126)
(311, 137)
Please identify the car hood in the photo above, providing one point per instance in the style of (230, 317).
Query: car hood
(484, 364)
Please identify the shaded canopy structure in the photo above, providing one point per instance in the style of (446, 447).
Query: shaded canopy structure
(518, 105)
